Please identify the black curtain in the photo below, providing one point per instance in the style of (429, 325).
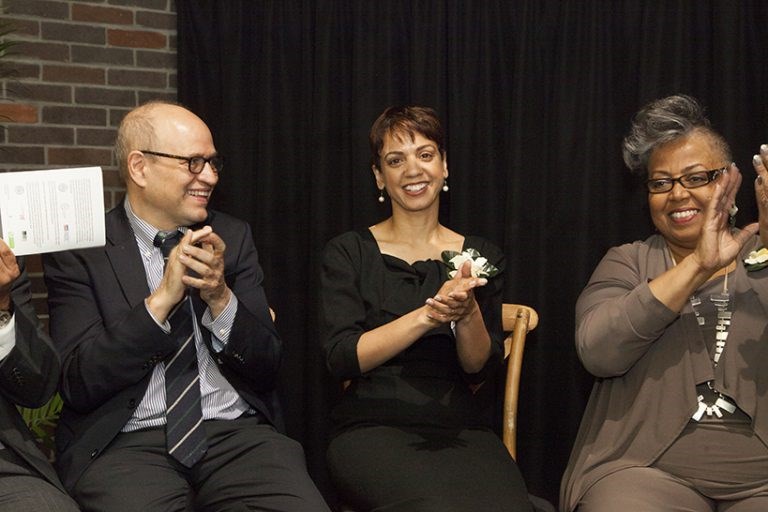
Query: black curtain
(536, 96)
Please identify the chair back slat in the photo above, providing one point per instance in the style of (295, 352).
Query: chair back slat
(517, 320)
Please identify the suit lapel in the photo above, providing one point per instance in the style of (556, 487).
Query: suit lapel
(123, 255)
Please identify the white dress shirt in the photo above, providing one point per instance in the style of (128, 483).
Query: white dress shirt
(7, 337)
(219, 399)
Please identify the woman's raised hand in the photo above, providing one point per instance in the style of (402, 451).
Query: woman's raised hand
(719, 244)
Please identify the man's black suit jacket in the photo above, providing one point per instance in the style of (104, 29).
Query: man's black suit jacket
(29, 375)
(109, 343)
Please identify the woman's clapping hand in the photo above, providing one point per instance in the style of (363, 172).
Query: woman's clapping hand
(455, 300)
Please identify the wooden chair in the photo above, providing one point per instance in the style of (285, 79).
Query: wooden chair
(517, 320)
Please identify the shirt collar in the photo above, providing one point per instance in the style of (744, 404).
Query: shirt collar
(143, 230)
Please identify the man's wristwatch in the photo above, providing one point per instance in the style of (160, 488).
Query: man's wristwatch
(5, 317)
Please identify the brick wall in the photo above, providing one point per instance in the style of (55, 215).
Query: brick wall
(79, 66)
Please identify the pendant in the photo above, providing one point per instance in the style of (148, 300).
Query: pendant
(720, 299)
(701, 410)
(722, 403)
(695, 301)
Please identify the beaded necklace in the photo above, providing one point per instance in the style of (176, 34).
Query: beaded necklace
(721, 301)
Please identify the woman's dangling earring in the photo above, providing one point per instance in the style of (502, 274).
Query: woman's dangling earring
(381, 195)
(445, 185)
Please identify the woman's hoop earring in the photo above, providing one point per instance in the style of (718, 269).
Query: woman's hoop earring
(445, 185)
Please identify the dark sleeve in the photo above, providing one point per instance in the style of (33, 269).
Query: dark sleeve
(342, 306)
(109, 343)
(490, 299)
(106, 344)
(254, 349)
(29, 373)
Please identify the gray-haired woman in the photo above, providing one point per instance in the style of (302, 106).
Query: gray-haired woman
(675, 328)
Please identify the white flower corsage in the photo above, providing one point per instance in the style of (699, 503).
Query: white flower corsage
(756, 260)
(480, 265)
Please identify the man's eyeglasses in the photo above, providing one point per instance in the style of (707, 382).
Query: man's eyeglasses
(693, 180)
(196, 164)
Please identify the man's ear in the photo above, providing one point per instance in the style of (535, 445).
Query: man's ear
(137, 168)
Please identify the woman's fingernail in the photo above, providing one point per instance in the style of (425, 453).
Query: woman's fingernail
(764, 148)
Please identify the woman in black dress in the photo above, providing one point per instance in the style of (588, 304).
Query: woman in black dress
(412, 430)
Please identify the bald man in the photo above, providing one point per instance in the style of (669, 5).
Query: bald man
(124, 316)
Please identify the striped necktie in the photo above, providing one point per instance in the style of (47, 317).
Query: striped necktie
(184, 430)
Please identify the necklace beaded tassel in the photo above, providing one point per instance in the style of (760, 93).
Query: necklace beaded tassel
(721, 302)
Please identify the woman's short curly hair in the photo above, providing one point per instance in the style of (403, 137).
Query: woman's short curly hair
(663, 121)
(408, 120)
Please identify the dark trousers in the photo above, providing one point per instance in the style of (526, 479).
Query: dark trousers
(22, 488)
(248, 466)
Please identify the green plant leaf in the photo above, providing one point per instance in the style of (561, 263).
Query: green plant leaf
(42, 422)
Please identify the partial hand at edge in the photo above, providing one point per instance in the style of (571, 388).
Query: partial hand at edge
(9, 272)
(760, 164)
